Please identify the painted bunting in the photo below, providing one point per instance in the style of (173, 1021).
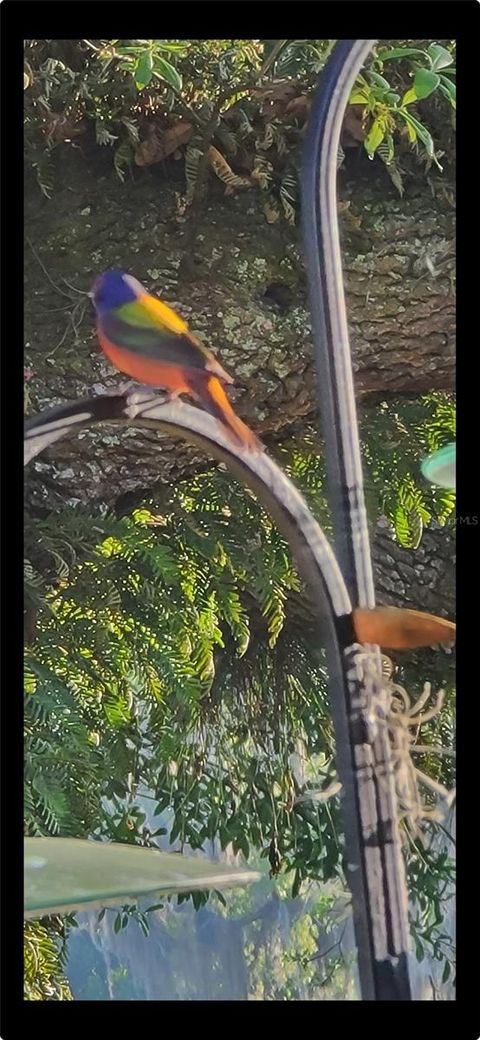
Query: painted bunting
(144, 338)
(397, 628)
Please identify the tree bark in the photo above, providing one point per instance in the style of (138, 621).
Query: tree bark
(398, 260)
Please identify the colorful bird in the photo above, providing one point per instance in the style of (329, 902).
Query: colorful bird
(397, 628)
(144, 338)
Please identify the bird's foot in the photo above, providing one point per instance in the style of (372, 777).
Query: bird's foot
(141, 392)
(173, 395)
(137, 388)
(121, 389)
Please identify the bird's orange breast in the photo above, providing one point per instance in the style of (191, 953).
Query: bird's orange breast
(145, 369)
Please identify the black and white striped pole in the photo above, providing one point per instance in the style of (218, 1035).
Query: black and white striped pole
(377, 876)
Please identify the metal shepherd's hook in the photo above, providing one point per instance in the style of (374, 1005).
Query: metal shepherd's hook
(370, 817)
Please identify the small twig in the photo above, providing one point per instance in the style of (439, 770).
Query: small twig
(320, 956)
(252, 81)
(427, 690)
(447, 796)
(81, 307)
(447, 834)
(73, 323)
(58, 310)
(433, 749)
(44, 269)
(82, 292)
(427, 715)
(59, 344)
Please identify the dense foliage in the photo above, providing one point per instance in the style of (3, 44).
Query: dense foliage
(235, 107)
(157, 663)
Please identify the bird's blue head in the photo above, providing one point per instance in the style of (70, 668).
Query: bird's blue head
(114, 289)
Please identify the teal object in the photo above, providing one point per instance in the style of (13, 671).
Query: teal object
(439, 468)
(62, 875)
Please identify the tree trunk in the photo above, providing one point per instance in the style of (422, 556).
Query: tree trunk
(398, 267)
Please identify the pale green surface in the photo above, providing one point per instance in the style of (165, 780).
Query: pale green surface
(439, 468)
(65, 874)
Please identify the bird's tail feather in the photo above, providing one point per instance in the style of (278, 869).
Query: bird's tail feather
(214, 399)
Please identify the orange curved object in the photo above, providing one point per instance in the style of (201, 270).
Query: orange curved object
(396, 628)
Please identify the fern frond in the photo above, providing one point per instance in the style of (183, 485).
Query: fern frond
(123, 159)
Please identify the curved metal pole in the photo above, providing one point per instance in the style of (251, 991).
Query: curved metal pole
(330, 330)
(354, 680)
(313, 553)
(381, 928)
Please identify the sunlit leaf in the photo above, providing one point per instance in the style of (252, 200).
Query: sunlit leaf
(439, 56)
(386, 54)
(164, 70)
(375, 136)
(143, 70)
(425, 82)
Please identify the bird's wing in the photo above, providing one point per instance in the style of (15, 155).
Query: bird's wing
(149, 339)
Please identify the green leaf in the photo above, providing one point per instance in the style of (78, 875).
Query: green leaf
(170, 47)
(419, 951)
(143, 70)
(379, 80)
(123, 157)
(439, 56)
(424, 135)
(177, 826)
(240, 844)
(446, 972)
(409, 97)
(388, 149)
(408, 527)
(359, 97)
(398, 52)
(297, 881)
(375, 136)
(425, 82)
(129, 50)
(448, 89)
(199, 899)
(164, 70)
(412, 133)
